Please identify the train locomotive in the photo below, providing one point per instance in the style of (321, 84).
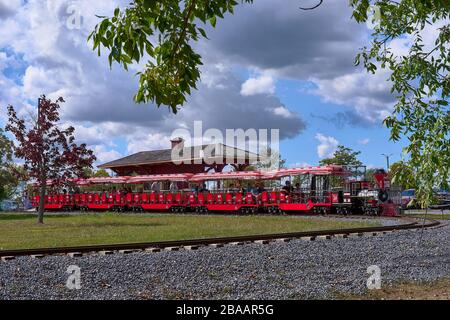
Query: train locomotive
(313, 190)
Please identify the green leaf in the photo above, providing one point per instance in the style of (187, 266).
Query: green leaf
(213, 21)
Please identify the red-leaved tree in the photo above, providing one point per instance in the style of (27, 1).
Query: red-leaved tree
(49, 152)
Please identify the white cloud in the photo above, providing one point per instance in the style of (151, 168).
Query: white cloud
(283, 112)
(9, 7)
(364, 141)
(215, 77)
(48, 58)
(369, 94)
(299, 165)
(105, 155)
(147, 142)
(327, 146)
(260, 85)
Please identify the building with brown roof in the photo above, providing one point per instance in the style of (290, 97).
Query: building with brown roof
(194, 159)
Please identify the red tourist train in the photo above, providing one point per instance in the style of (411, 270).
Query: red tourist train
(319, 190)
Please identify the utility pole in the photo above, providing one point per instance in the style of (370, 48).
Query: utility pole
(42, 188)
(387, 159)
(38, 111)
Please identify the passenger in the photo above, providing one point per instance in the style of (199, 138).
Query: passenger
(239, 188)
(297, 194)
(204, 189)
(261, 188)
(196, 189)
(287, 187)
(173, 188)
(155, 187)
(257, 192)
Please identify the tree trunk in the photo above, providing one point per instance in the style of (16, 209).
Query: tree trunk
(42, 190)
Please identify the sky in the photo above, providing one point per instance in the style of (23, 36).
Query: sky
(268, 66)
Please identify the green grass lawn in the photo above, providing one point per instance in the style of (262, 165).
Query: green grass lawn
(22, 231)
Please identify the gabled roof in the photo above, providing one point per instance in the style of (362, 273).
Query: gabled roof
(165, 156)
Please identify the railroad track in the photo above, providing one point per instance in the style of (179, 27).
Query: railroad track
(193, 244)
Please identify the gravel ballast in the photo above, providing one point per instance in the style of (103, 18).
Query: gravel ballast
(294, 270)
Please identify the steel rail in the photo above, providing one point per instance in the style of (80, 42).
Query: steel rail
(209, 241)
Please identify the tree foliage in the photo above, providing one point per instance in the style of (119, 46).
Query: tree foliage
(403, 175)
(8, 181)
(101, 173)
(420, 80)
(271, 161)
(48, 151)
(343, 156)
(164, 32)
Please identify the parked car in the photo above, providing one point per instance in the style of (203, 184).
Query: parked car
(442, 196)
(9, 205)
(408, 196)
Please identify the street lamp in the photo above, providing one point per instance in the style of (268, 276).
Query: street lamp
(387, 159)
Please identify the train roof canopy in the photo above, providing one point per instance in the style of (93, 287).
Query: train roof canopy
(100, 180)
(160, 177)
(316, 170)
(238, 175)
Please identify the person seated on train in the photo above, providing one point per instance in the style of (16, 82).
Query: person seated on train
(173, 188)
(105, 193)
(204, 189)
(287, 187)
(239, 188)
(254, 191)
(155, 187)
(261, 188)
(296, 193)
(257, 192)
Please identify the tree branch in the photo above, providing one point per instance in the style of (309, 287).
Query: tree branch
(185, 25)
(312, 8)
